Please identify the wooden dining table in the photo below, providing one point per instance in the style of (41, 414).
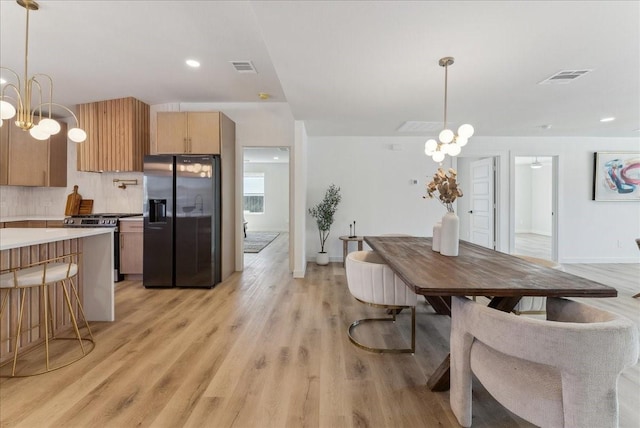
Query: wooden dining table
(476, 271)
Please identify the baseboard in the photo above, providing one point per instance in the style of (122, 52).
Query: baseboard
(311, 258)
(600, 260)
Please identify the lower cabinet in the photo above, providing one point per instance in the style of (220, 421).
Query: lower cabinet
(131, 247)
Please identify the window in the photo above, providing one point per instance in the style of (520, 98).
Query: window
(254, 192)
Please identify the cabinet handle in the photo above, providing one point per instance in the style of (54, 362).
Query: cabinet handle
(121, 241)
(190, 145)
(185, 145)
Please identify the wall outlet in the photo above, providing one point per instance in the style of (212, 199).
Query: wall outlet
(619, 243)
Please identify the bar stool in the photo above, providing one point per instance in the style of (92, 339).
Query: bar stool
(58, 271)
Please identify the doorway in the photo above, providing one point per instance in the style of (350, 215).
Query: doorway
(478, 209)
(265, 203)
(534, 207)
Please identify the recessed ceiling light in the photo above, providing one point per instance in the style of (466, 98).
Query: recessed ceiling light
(607, 119)
(2, 81)
(192, 63)
(276, 158)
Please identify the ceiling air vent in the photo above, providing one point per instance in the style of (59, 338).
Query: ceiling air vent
(243, 66)
(564, 76)
(419, 126)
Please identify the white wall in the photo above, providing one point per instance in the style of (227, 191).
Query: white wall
(523, 199)
(276, 196)
(298, 206)
(586, 232)
(533, 199)
(376, 191)
(541, 200)
(376, 188)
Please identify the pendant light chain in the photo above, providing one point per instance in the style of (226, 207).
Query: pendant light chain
(446, 73)
(449, 142)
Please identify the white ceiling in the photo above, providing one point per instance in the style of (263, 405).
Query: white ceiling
(349, 67)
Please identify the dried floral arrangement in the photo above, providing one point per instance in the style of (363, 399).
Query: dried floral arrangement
(446, 186)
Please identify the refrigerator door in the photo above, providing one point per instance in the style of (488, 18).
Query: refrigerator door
(195, 217)
(158, 182)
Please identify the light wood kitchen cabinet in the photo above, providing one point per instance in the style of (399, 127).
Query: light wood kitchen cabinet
(117, 135)
(131, 247)
(191, 132)
(25, 161)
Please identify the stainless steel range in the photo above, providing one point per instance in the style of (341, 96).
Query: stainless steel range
(96, 220)
(111, 220)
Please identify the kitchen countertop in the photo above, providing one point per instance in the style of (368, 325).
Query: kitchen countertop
(23, 237)
(8, 219)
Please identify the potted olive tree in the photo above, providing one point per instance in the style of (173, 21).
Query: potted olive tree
(323, 213)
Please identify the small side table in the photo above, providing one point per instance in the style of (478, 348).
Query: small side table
(345, 245)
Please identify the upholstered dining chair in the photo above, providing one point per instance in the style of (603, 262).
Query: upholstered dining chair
(559, 372)
(372, 282)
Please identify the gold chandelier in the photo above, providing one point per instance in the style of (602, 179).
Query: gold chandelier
(449, 143)
(30, 92)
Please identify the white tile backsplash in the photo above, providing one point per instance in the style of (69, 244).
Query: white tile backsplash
(107, 197)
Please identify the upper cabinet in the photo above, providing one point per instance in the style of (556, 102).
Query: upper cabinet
(191, 132)
(25, 161)
(117, 135)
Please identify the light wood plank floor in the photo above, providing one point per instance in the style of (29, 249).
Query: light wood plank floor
(264, 350)
(534, 245)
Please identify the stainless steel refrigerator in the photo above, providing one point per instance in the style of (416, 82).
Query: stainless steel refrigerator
(182, 221)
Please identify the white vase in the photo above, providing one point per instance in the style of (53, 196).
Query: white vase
(449, 234)
(322, 259)
(435, 240)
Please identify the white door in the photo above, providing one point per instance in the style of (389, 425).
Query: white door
(482, 205)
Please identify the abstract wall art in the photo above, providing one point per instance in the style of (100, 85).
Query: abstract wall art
(616, 176)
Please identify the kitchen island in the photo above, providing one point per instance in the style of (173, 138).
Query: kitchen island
(22, 246)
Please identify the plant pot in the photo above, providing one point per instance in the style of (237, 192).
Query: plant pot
(449, 234)
(322, 259)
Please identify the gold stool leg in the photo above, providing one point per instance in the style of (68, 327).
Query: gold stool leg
(75, 292)
(73, 317)
(46, 325)
(15, 351)
(50, 320)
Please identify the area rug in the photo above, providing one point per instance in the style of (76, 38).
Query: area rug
(256, 241)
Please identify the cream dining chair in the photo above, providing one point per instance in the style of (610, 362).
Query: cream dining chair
(372, 282)
(559, 372)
